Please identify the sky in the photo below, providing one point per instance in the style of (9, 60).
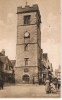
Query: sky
(50, 27)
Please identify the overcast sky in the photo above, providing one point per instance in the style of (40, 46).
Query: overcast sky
(50, 27)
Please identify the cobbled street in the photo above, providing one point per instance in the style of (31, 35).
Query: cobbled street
(26, 91)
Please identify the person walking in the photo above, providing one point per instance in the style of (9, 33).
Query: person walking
(47, 87)
(53, 89)
(56, 83)
(1, 83)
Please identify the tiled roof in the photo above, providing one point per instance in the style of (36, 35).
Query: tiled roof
(1, 54)
(5, 60)
(13, 62)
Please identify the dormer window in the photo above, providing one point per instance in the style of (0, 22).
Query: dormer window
(27, 19)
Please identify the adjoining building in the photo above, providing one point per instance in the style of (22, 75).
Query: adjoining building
(58, 75)
(28, 47)
(6, 68)
(46, 68)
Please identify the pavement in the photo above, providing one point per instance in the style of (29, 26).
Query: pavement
(26, 91)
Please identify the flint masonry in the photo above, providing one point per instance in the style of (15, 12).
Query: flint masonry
(28, 47)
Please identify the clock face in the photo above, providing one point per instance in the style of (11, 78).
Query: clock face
(26, 34)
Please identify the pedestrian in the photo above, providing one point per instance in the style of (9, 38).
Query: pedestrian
(47, 87)
(33, 80)
(52, 86)
(1, 83)
(56, 83)
(50, 76)
(59, 84)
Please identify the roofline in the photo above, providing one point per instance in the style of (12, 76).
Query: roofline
(27, 11)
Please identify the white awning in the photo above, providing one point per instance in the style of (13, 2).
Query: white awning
(7, 71)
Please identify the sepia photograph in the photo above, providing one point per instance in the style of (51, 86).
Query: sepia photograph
(30, 43)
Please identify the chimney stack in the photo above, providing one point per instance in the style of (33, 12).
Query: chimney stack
(3, 52)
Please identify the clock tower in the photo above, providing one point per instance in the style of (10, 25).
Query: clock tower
(28, 47)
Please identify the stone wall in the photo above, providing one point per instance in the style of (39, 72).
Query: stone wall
(31, 53)
(32, 72)
(21, 18)
(32, 30)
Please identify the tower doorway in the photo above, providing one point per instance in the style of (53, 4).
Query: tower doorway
(25, 78)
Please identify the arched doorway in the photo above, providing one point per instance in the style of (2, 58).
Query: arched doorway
(25, 78)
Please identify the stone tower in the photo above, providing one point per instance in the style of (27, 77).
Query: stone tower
(28, 47)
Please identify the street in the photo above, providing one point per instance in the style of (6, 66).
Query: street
(26, 91)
